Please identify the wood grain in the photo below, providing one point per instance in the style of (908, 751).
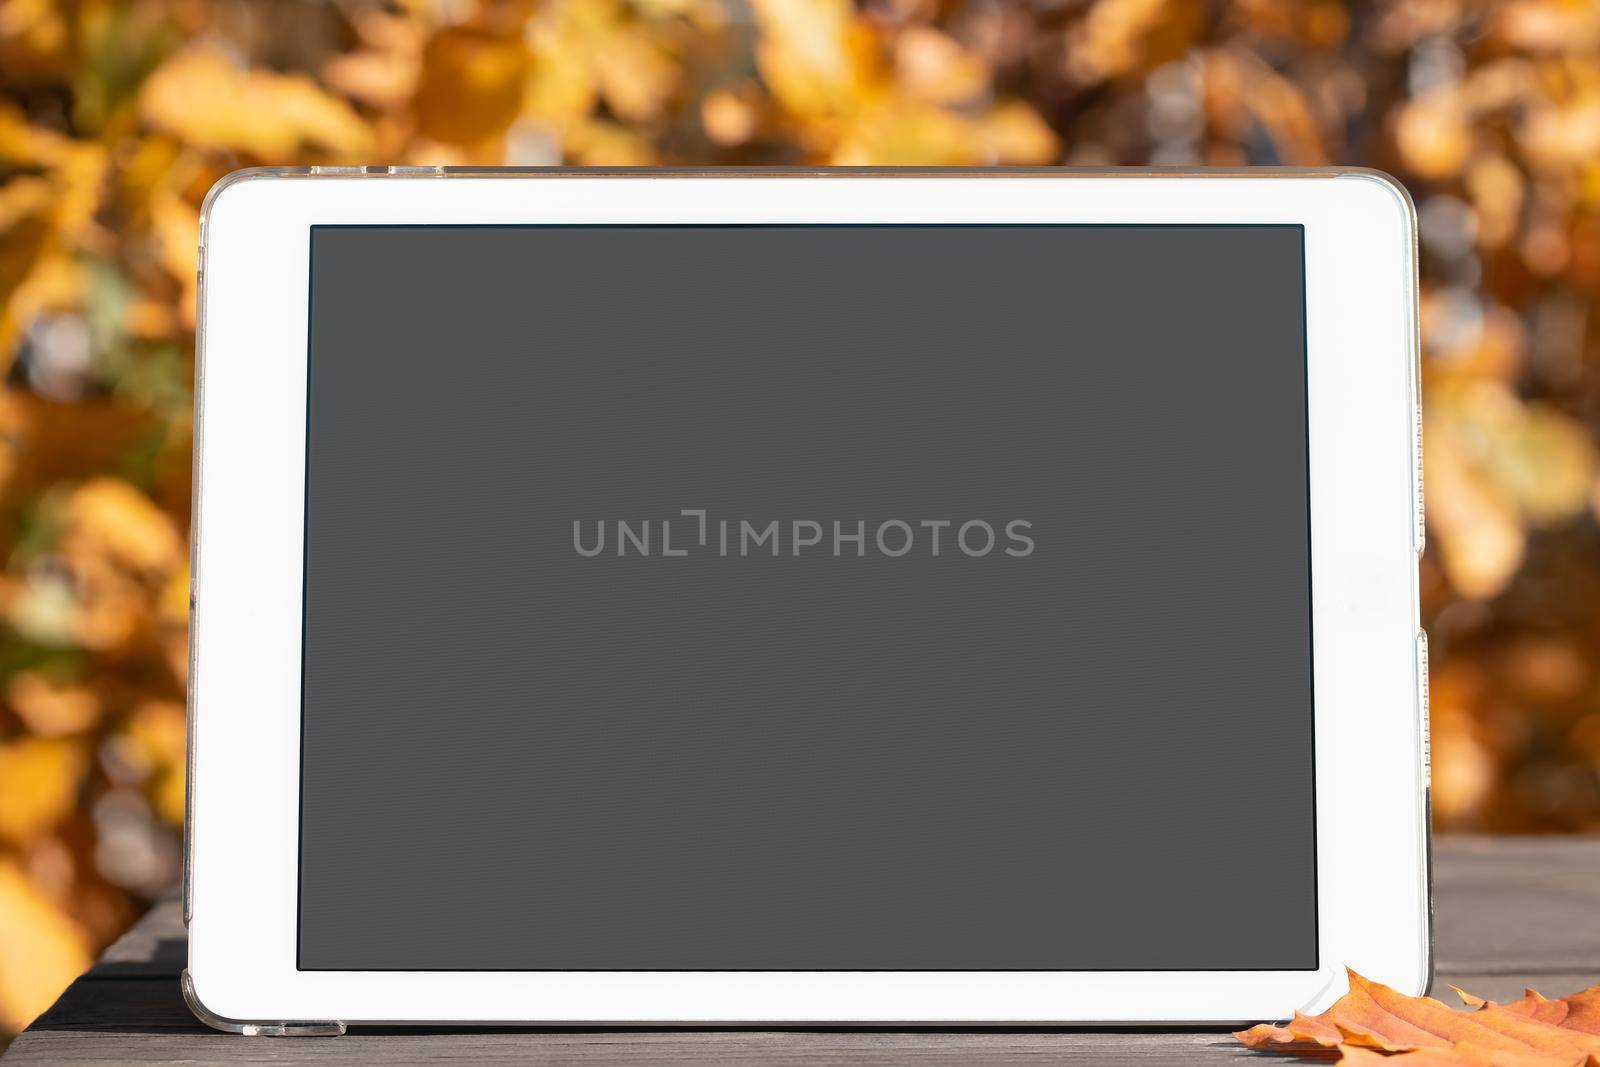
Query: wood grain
(1509, 913)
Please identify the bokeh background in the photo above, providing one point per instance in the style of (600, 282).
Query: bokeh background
(117, 115)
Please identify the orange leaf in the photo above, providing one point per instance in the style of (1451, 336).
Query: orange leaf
(1531, 1032)
(1579, 1012)
(1583, 1011)
(1305, 1035)
(1531, 1004)
(1392, 1021)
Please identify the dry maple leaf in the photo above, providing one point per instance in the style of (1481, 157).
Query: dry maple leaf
(1372, 1022)
(1580, 1011)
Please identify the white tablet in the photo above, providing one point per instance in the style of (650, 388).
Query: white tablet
(834, 597)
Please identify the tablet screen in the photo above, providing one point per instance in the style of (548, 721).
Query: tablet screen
(807, 598)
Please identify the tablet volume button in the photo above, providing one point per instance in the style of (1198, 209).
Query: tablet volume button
(1422, 707)
(1420, 535)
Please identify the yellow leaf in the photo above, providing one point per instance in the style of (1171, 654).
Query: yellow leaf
(1562, 136)
(172, 621)
(41, 949)
(38, 39)
(636, 76)
(1464, 769)
(74, 171)
(471, 85)
(43, 441)
(904, 132)
(110, 517)
(39, 780)
(1477, 529)
(606, 144)
(563, 87)
(1550, 25)
(385, 73)
(167, 796)
(45, 215)
(1549, 464)
(175, 225)
(931, 66)
(730, 117)
(1015, 135)
(815, 55)
(202, 97)
(1118, 37)
(1498, 190)
(51, 708)
(1434, 135)
(25, 233)
(157, 730)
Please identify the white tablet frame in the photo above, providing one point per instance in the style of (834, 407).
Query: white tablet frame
(244, 683)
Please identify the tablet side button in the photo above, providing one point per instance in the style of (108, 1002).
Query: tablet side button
(1422, 705)
(1420, 534)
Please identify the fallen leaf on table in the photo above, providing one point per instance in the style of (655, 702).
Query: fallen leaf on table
(1371, 1023)
(1580, 1011)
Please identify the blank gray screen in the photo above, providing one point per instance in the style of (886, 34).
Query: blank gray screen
(534, 739)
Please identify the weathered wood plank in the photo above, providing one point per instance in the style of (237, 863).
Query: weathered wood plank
(1510, 912)
(117, 1020)
(156, 947)
(1517, 906)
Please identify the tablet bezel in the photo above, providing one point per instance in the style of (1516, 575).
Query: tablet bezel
(244, 697)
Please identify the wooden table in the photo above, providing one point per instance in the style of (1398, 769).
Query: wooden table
(1510, 912)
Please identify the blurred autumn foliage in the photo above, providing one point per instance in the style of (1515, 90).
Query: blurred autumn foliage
(117, 115)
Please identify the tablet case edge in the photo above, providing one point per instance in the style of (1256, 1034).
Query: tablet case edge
(281, 1028)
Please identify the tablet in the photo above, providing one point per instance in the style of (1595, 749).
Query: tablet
(829, 597)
